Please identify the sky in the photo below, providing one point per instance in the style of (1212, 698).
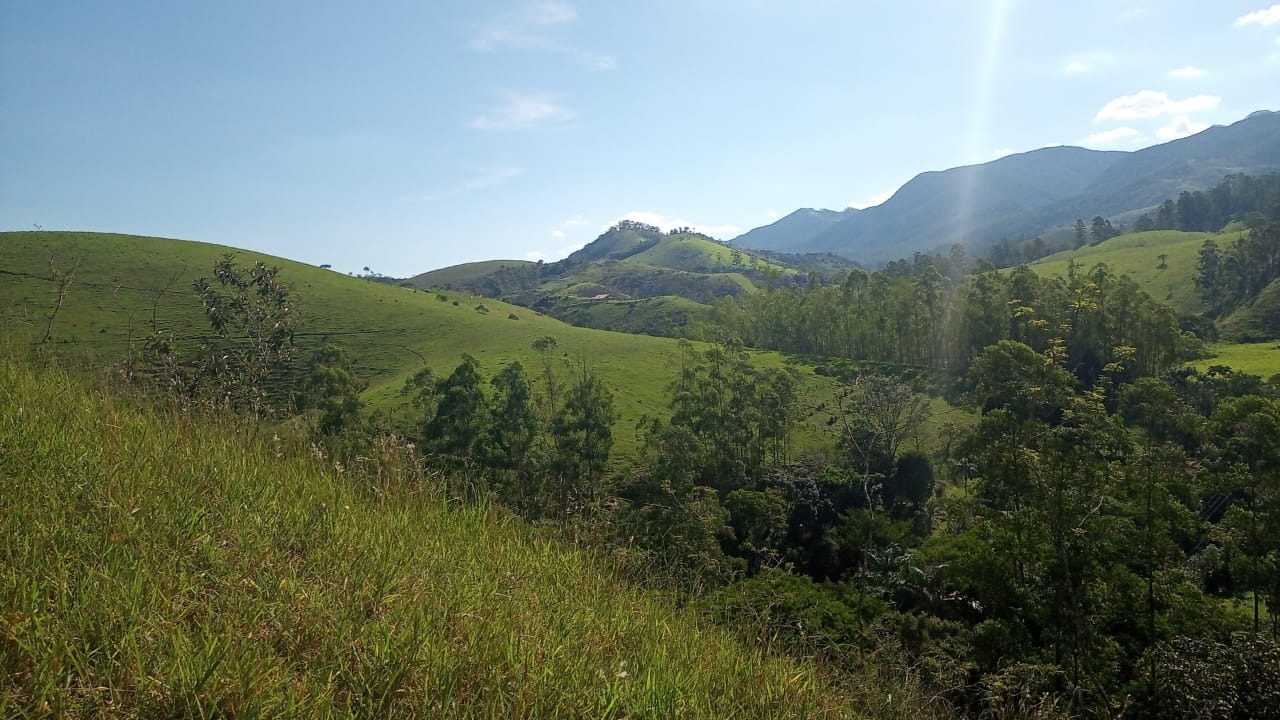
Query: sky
(407, 136)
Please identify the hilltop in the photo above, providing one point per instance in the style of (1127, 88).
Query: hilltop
(633, 278)
(1029, 193)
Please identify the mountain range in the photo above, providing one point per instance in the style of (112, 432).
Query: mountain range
(1025, 194)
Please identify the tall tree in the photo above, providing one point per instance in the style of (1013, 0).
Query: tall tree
(582, 431)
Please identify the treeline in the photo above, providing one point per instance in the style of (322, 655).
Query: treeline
(927, 313)
(1228, 277)
(1238, 198)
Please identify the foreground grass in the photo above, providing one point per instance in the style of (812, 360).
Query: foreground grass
(155, 565)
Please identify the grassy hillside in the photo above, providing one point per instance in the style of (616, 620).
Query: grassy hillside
(1259, 318)
(176, 568)
(655, 283)
(464, 275)
(1261, 359)
(124, 282)
(1137, 255)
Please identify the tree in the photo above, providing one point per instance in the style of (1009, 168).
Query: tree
(1101, 230)
(545, 347)
(254, 315)
(459, 415)
(1081, 234)
(507, 442)
(582, 432)
(1208, 270)
(330, 388)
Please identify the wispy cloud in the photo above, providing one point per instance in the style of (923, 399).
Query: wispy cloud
(523, 111)
(1179, 127)
(1187, 72)
(1149, 104)
(477, 177)
(532, 27)
(1001, 152)
(1264, 18)
(1120, 137)
(1076, 67)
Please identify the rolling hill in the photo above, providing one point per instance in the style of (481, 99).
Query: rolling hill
(1248, 334)
(1138, 255)
(633, 278)
(1031, 193)
(125, 287)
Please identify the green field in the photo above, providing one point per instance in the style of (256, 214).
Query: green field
(1137, 255)
(1262, 359)
(178, 567)
(126, 285)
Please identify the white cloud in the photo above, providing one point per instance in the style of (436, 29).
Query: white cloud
(1001, 152)
(529, 28)
(872, 201)
(1076, 67)
(556, 254)
(1265, 18)
(1149, 104)
(522, 111)
(1179, 127)
(1187, 72)
(575, 221)
(772, 214)
(1112, 139)
(557, 234)
(666, 223)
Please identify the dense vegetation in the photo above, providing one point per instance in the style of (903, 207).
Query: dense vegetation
(928, 313)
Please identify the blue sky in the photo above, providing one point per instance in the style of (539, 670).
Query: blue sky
(406, 136)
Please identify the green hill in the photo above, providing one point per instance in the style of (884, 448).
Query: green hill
(126, 286)
(466, 274)
(1138, 256)
(175, 567)
(633, 278)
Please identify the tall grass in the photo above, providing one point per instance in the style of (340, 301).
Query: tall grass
(154, 564)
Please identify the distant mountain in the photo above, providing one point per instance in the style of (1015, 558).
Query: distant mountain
(803, 223)
(1029, 193)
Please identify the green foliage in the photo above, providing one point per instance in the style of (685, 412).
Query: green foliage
(330, 389)
(458, 418)
(582, 433)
